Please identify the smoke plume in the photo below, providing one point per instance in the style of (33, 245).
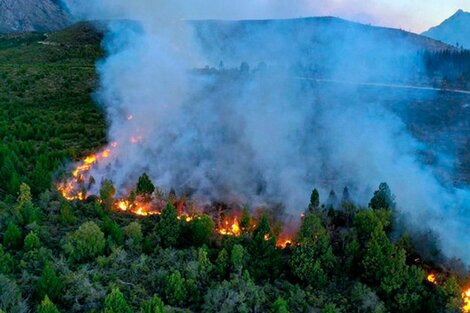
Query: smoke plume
(264, 137)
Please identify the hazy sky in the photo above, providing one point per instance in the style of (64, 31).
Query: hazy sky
(414, 15)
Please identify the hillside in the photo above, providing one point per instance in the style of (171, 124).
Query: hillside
(107, 254)
(32, 15)
(325, 45)
(45, 104)
(454, 31)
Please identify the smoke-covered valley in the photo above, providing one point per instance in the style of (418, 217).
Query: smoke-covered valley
(267, 134)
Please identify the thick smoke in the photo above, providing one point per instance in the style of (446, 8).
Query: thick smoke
(267, 137)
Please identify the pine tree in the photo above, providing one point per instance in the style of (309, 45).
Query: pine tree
(31, 242)
(168, 228)
(175, 291)
(25, 205)
(49, 283)
(245, 220)
(314, 200)
(237, 258)
(7, 262)
(12, 238)
(145, 187)
(280, 306)
(154, 305)
(332, 201)
(202, 229)
(262, 249)
(107, 193)
(346, 198)
(313, 258)
(222, 262)
(47, 306)
(116, 303)
(383, 198)
(66, 214)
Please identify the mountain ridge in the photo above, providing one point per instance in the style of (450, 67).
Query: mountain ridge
(455, 30)
(32, 16)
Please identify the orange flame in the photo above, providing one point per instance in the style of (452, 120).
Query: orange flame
(123, 205)
(140, 209)
(465, 294)
(432, 278)
(70, 189)
(230, 229)
(283, 243)
(466, 300)
(106, 153)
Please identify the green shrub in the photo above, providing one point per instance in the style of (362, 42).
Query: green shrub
(280, 306)
(134, 232)
(49, 283)
(31, 242)
(66, 215)
(85, 243)
(116, 303)
(202, 228)
(168, 229)
(47, 306)
(154, 305)
(12, 238)
(6, 262)
(175, 290)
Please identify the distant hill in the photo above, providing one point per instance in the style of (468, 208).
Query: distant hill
(326, 45)
(455, 30)
(32, 15)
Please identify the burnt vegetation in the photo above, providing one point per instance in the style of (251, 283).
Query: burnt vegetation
(85, 256)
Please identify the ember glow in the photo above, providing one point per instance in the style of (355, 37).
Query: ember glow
(466, 299)
(432, 278)
(230, 228)
(284, 243)
(72, 188)
(137, 208)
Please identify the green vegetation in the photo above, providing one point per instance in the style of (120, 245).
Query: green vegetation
(61, 256)
(46, 114)
(104, 261)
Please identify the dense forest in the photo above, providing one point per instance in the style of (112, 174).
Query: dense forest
(47, 116)
(58, 255)
(448, 69)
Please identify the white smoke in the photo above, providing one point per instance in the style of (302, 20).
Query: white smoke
(258, 138)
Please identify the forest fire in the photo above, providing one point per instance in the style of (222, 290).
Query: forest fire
(432, 278)
(466, 299)
(73, 190)
(140, 209)
(230, 228)
(284, 243)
